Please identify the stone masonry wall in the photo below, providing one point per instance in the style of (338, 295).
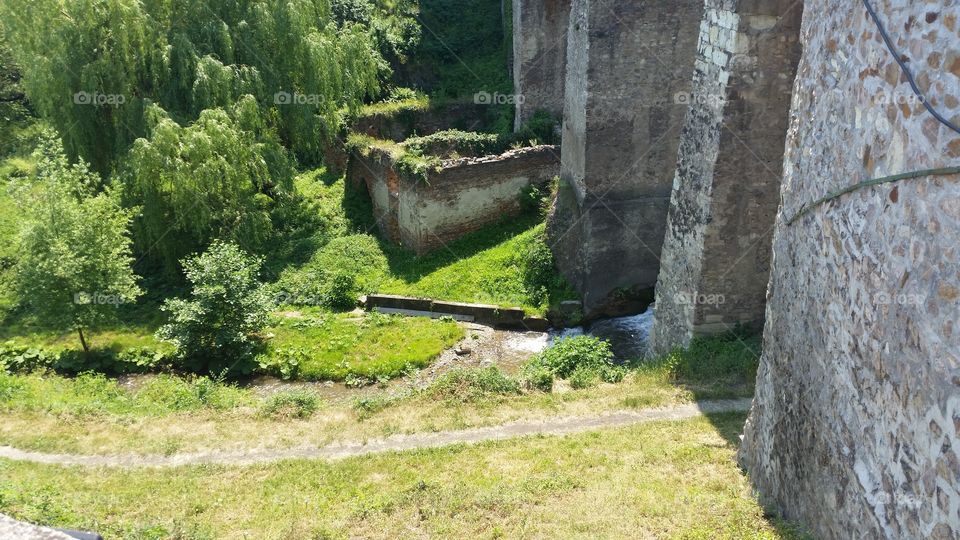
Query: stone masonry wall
(626, 62)
(539, 56)
(464, 196)
(854, 428)
(716, 257)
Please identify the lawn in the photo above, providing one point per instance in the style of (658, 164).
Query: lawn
(657, 480)
(158, 415)
(330, 346)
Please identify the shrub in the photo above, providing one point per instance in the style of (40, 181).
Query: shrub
(294, 404)
(568, 354)
(583, 377)
(214, 331)
(537, 377)
(467, 385)
(340, 292)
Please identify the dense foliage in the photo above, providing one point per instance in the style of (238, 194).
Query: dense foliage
(75, 255)
(582, 359)
(216, 179)
(94, 67)
(215, 329)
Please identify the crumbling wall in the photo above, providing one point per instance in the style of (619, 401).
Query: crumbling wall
(423, 214)
(854, 428)
(626, 64)
(715, 261)
(539, 56)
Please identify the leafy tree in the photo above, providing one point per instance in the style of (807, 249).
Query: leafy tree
(75, 255)
(188, 56)
(215, 329)
(217, 178)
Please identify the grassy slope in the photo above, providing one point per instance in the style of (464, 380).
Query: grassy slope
(484, 267)
(100, 416)
(666, 479)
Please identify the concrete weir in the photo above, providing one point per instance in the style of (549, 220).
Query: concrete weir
(716, 253)
(626, 64)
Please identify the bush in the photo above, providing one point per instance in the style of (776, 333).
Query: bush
(537, 377)
(294, 404)
(340, 292)
(467, 385)
(568, 354)
(581, 359)
(214, 331)
(583, 377)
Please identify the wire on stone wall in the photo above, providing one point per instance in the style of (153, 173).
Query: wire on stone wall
(896, 177)
(874, 182)
(906, 70)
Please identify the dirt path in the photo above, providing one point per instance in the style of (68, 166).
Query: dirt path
(553, 426)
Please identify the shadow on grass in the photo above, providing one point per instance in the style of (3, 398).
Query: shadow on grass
(725, 367)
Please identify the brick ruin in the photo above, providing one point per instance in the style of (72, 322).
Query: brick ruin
(463, 195)
(716, 256)
(625, 65)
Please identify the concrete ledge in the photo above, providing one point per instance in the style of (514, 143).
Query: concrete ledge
(425, 307)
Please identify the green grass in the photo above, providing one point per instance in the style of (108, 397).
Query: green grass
(486, 266)
(335, 346)
(60, 414)
(94, 395)
(664, 480)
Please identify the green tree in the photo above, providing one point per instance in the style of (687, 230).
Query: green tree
(217, 178)
(215, 329)
(187, 56)
(75, 264)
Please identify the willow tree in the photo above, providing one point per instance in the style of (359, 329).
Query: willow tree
(217, 178)
(93, 67)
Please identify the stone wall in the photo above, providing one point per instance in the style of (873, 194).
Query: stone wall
(423, 214)
(626, 62)
(716, 256)
(539, 56)
(854, 428)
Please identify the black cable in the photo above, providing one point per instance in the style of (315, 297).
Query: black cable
(906, 70)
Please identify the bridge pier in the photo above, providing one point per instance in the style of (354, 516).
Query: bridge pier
(716, 254)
